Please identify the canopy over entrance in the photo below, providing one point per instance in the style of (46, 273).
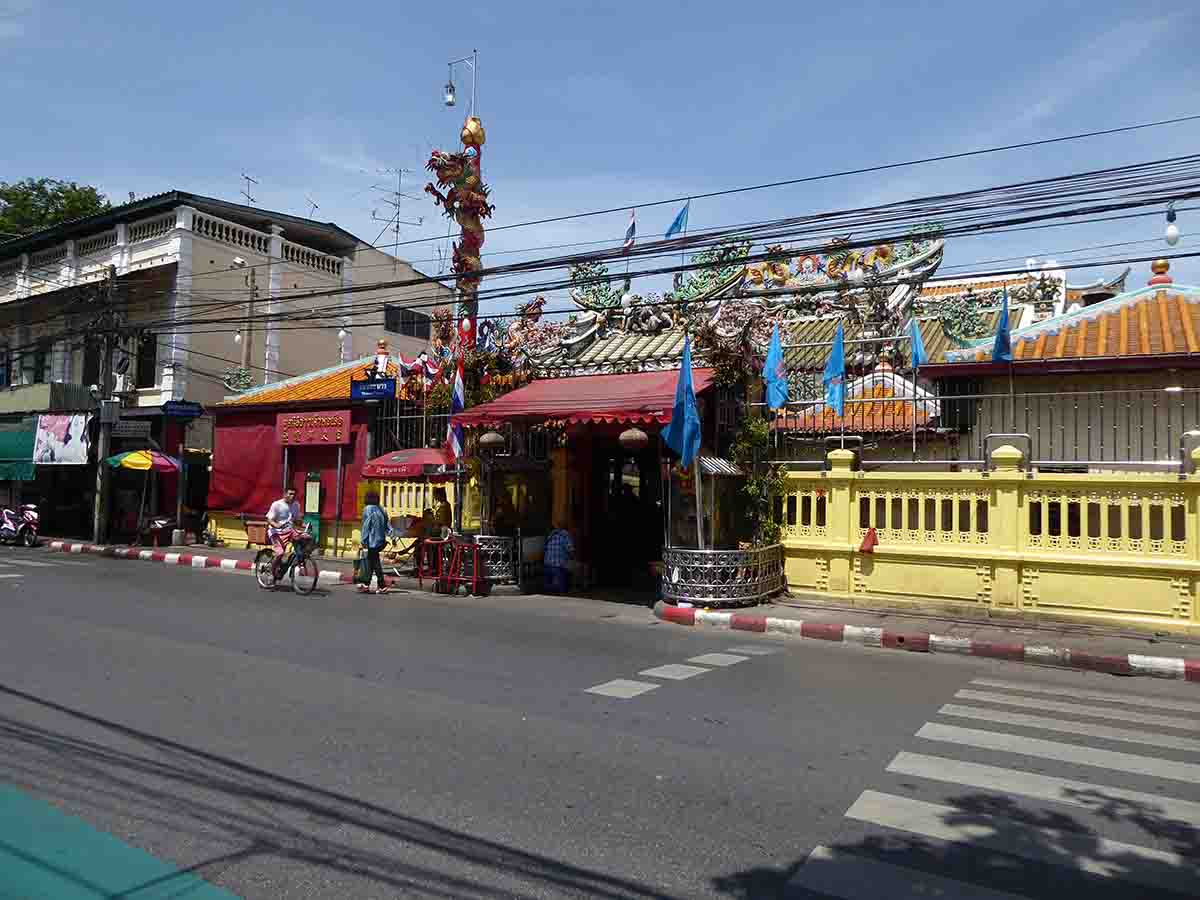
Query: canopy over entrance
(430, 463)
(635, 398)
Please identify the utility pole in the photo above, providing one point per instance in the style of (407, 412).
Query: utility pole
(108, 413)
(248, 337)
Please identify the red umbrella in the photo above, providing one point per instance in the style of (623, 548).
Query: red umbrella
(431, 463)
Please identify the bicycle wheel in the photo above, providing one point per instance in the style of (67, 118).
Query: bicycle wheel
(304, 576)
(264, 568)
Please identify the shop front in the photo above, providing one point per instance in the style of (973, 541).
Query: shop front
(582, 454)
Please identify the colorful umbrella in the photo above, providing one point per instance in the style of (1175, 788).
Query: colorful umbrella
(143, 460)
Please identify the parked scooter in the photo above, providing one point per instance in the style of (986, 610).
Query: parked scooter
(20, 526)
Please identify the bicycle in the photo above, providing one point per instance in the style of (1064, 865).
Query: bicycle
(298, 564)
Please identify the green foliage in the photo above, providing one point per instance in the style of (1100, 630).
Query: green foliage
(37, 203)
(238, 379)
(765, 483)
(732, 366)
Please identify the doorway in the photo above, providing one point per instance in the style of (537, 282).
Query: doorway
(626, 521)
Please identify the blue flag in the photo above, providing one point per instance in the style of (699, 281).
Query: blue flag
(835, 374)
(774, 374)
(1002, 346)
(683, 434)
(916, 345)
(680, 223)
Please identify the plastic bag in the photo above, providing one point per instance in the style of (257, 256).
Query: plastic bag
(362, 569)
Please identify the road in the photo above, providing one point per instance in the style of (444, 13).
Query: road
(410, 746)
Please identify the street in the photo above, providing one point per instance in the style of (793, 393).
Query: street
(415, 746)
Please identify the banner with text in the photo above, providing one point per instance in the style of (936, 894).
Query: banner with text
(307, 428)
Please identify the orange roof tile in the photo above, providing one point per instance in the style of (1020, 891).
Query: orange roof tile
(1148, 322)
(325, 384)
(884, 416)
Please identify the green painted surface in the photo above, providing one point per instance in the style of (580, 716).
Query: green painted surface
(45, 853)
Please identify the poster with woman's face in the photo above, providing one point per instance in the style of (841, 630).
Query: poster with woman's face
(62, 440)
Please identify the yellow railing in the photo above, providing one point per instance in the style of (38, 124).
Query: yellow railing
(1115, 547)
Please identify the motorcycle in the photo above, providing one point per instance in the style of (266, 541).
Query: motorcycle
(20, 526)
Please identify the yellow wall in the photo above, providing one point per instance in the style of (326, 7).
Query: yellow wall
(1111, 548)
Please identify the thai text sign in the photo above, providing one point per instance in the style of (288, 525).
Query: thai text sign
(302, 428)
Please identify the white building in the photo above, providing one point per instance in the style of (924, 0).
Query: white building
(187, 267)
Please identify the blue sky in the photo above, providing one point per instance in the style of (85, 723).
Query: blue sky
(597, 105)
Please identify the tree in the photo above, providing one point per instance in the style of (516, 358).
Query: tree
(36, 203)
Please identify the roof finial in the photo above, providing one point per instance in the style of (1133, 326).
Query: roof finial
(1160, 267)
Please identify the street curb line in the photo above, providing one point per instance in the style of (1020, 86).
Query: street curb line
(1174, 667)
(191, 560)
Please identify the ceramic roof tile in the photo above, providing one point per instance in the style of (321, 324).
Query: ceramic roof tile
(325, 384)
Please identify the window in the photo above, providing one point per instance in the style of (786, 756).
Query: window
(41, 361)
(147, 360)
(409, 322)
(4, 380)
(91, 363)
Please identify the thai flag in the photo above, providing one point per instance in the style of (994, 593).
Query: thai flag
(454, 431)
(629, 233)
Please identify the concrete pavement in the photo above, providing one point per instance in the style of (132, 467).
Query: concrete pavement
(349, 746)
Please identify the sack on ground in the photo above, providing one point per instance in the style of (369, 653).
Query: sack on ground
(362, 569)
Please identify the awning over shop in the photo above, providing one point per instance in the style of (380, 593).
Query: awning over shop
(429, 463)
(16, 451)
(635, 397)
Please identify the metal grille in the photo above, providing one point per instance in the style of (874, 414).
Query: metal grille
(722, 577)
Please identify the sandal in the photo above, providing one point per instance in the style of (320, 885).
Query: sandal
(383, 590)
(363, 589)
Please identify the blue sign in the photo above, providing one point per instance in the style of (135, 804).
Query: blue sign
(182, 409)
(375, 389)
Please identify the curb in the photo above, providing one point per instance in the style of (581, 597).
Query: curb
(191, 560)
(1175, 667)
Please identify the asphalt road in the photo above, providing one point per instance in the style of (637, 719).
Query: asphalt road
(410, 746)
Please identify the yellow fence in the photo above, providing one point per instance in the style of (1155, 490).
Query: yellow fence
(1116, 548)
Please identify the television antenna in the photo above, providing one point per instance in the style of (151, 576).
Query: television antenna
(246, 191)
(394, 199)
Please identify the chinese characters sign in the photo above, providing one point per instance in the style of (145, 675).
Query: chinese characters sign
(306, 428)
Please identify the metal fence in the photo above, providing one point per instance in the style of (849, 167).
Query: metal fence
(722, 577)
(1138, 428)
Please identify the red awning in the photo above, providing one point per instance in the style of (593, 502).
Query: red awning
(636, 397)
(429, 463)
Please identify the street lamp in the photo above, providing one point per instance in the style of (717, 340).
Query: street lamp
(448, 92)
(1172, 233)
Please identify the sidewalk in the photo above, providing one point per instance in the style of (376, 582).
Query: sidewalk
(1091, 648)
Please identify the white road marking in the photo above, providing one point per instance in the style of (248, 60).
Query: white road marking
(853, 877)
(674, 671)
(1087, 852)
(32, 563)
(1129, 735)
(12, 575)
(717, 659)
(622, 688)
(1159, 702)
(754, 651)
(1077, 709)
(1075, 754)
(1067, 791)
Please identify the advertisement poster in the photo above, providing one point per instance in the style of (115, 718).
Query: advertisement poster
(62, 440)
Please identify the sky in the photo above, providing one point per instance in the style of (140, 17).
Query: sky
(593, 105)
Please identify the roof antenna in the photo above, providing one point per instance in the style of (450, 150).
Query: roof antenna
(313, 204)
(246, 192)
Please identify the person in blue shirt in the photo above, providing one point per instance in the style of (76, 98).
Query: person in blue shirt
(560, 550)
(374, 538)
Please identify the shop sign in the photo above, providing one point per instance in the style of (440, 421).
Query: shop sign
(373, 389)
(307, 428)
(183, 409)
(131, 428)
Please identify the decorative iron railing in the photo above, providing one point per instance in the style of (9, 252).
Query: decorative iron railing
(722, 577)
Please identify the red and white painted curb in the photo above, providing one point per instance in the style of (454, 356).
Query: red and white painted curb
(192, 560)
(921, 642)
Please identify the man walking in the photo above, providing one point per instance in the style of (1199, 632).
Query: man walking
(374, 538)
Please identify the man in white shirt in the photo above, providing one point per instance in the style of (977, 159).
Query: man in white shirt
(282, 517)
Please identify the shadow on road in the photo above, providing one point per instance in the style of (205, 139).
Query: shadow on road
(1001, 846)
(254, 813)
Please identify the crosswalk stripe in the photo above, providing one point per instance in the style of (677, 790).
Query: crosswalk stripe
(1129, 735)
(1099, 712)
(854, 877)
(32, 563)
(11, 575)
(1160, 702)
(1068, 791)
(1086, 852)
(1076, 754)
